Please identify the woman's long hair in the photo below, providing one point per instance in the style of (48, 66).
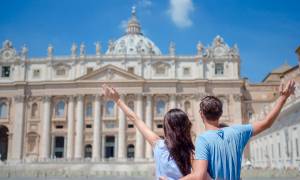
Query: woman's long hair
(177, 129)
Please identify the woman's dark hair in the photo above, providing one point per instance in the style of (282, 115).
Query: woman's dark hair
(177, 129)
(211, 107)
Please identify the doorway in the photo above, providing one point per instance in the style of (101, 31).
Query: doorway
(3, 143)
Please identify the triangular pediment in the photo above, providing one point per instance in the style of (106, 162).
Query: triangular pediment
(109, 72)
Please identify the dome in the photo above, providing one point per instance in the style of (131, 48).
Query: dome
(133, 42)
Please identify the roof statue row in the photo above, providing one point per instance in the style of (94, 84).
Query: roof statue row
(133, 42)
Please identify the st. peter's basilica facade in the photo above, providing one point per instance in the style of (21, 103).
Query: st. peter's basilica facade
(52, 107)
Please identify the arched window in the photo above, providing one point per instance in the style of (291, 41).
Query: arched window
(160, 107)
(130, 151)
(3, 110)
(60, 109)
(89, 110)
(109, 108)
(131, 105)
(34, 110)
(187, 107)
(88, 151)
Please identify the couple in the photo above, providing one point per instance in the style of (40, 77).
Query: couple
(217, 153)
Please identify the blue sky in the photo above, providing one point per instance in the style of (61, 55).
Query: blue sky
(266, 31)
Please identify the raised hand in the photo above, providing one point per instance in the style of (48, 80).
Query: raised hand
(110, 92)
(288, 90)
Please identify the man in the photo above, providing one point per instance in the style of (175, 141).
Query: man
(219, 150)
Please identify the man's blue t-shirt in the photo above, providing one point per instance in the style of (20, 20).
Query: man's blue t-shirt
(223, 149)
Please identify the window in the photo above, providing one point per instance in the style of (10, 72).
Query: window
(130, 151)
(88, 151)
(5, 71)
(160, 107)
(110, 105)
(34, 110)
(88, 126)
(36, 73)
(159, 126)
(186, 71)
(89, 70)
(3, 110)
(60, 72)
(219, 69)
(130, 126)
(59, 126)
(60, 109)
(89, 110)
(130, 70)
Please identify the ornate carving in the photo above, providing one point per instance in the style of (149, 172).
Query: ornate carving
(19, 98)
(7, 52)
(46, 98)
(237, 97)
(79, 97)
(109, 74)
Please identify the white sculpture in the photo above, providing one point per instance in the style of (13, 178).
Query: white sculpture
(74, 49)
(7, 44)
(218, 40)
(110, 45)
(50, 50)
(98, 48)
(200, 48)
(234, 51)
(24, 51)
(172, 48)
(82, 49)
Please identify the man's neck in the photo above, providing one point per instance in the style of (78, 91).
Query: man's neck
(212, 125)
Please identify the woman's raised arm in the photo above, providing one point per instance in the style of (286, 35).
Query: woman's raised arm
(149, 135)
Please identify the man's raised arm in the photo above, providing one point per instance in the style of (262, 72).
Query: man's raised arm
(267, 122)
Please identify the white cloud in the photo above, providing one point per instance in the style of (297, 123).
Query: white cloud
(179, 12)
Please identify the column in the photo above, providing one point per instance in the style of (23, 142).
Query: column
(17, 138)
(148, 117)
(97, 129)
(45, 143)
(122, 133)
(70, 137)
(79, 128)
(172, 101)
(139, 145)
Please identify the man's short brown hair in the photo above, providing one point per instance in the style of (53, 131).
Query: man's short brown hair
(211, 107)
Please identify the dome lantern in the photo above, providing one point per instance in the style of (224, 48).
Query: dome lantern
(133, 26)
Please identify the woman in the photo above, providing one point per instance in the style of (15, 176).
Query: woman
(173, 155)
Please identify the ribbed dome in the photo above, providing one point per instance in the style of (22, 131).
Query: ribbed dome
(133, 42)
